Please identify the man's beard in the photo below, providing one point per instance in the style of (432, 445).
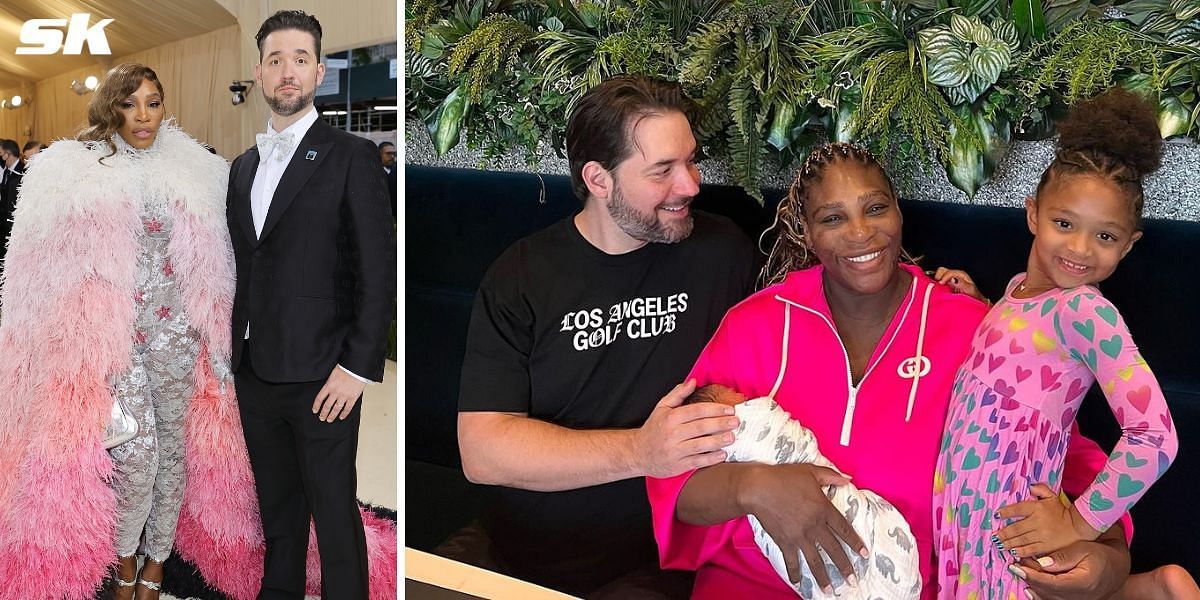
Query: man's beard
(645, 227)
(286, 108)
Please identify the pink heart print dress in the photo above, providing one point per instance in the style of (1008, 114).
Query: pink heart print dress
(1015, 399)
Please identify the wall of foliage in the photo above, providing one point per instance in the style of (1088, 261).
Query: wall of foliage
(949, 82)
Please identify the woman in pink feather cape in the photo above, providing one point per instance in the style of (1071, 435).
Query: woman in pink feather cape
(119, 283)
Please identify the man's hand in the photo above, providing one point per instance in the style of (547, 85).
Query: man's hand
(960, 282)
(1045, 524)
(789, 502)
(1081, 571)
(678, 438)
(338, 396)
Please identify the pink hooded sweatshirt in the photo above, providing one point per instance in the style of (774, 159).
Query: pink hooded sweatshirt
(884, 432)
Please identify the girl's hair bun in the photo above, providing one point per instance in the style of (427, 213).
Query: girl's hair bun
(1118, 124)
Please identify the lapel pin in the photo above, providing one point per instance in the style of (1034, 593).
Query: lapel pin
(312, 155)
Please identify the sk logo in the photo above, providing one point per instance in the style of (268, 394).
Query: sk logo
(42, 31)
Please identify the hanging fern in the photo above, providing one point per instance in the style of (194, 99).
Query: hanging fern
(747, 147)
(897, 99)
(1084, 58)
(493, 46)
(610, 39)
(748, 64)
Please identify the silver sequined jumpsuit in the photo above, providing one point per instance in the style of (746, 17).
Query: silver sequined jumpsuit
(149, 470)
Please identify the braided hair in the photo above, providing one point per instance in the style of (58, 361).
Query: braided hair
(1113, 135)
(790, 250)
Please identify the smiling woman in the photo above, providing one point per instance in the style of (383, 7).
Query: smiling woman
(859, 348)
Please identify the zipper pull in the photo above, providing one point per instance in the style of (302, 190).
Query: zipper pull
(851, 400)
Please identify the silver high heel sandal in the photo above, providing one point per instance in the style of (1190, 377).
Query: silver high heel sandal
(154, 586)
(126, 584)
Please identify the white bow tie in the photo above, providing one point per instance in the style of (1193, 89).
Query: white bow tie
(277, 146)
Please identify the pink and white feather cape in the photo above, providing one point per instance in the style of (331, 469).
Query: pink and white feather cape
(66, 330)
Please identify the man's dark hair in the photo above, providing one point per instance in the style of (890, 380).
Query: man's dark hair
(11, 147)
(601, 126)
(385, 143)
(289, 19)
(30, 144)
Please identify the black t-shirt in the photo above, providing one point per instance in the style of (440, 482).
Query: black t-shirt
(587, 340)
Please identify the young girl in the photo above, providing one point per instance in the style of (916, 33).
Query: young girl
(1035, 355)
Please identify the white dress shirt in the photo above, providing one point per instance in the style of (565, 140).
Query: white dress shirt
(271, 168)
(266, 180)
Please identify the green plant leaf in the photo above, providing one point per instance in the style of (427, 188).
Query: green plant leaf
(1185, 9)
(975, 8)
(1141, 83)
(937, 39)
(1186, 35)
(476, 13)
(1006, 31)
(1137, 18)
(1159, 23)
(964, 168)
(591, 13)
(996, 136)
(969, 91)
(553, 24)
(419, 67)
(926, 5)
(1029, 19)
(982, 36)
(432, 46)
(780, 133)
(963, 27)
(965, 163)
(845, 121)
(445, 123)
(1137, 6)
(1173, 117)
(950, 68)
(1060, 13)
(988, 62)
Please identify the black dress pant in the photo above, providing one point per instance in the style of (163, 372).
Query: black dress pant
(303, 466)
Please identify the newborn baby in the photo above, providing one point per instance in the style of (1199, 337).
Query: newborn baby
(768, 435)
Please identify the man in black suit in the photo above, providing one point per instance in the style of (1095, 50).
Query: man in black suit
(315, 251)
(387, 154)
(12, 168)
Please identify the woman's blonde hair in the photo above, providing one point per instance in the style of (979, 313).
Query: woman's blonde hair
(103, 112)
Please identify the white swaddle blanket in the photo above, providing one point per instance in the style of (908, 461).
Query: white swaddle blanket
(767, 434)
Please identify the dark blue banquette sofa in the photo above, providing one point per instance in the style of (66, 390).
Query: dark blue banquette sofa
(458, 221)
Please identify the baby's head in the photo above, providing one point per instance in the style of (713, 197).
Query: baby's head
(1088, 208)
(715, 393)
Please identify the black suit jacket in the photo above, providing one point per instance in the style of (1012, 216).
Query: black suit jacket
(317, 286)
(391, 181)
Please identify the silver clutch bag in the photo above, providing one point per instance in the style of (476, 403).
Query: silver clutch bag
(122, 427)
